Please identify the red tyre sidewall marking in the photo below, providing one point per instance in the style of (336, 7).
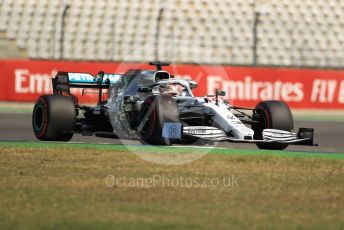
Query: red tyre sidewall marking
(150, 103)
(45, 119)
(267, 116)
(154, 119)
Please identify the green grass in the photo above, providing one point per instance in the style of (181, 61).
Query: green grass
(170, 150)
(63, 186)
(16, 107)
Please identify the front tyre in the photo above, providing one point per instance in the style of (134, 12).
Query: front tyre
(53, 118)
(155, 111)
(272, 115)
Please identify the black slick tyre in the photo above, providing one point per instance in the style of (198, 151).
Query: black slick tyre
(155, 111)
(272, 115)
(53, 118)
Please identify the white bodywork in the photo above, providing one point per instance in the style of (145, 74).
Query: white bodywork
(229, 123)
(225, 120)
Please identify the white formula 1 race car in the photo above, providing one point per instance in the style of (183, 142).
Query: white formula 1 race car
(154, 107)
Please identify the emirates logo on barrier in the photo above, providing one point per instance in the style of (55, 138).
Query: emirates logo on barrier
(246, 86)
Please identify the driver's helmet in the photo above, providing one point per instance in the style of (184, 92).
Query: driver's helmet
(172, 89)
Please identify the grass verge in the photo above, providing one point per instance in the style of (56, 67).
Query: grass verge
(67, 186)
(171, 150)
(16, 107)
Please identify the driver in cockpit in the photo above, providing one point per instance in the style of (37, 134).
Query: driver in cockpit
(173, 89)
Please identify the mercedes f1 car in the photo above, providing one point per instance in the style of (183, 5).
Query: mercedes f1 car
(154, 107)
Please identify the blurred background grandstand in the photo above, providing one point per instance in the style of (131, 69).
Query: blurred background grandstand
(305, 33)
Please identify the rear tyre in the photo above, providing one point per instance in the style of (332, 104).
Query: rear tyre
(53, 118)
(271, 115)
(155, 111)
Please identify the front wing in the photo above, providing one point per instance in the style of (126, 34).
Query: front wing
(305, 136)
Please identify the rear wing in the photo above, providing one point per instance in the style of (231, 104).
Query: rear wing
(63, 81)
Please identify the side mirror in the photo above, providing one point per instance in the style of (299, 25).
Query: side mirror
(218, 93)
(221, 93)
(144, 90)
(193, 85)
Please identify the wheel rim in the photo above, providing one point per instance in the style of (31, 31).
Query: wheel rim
(38, 120)
(258, 130)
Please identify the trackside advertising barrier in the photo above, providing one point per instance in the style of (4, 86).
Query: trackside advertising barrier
(25, 80)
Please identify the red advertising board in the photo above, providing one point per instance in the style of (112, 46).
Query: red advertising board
(301, 88)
